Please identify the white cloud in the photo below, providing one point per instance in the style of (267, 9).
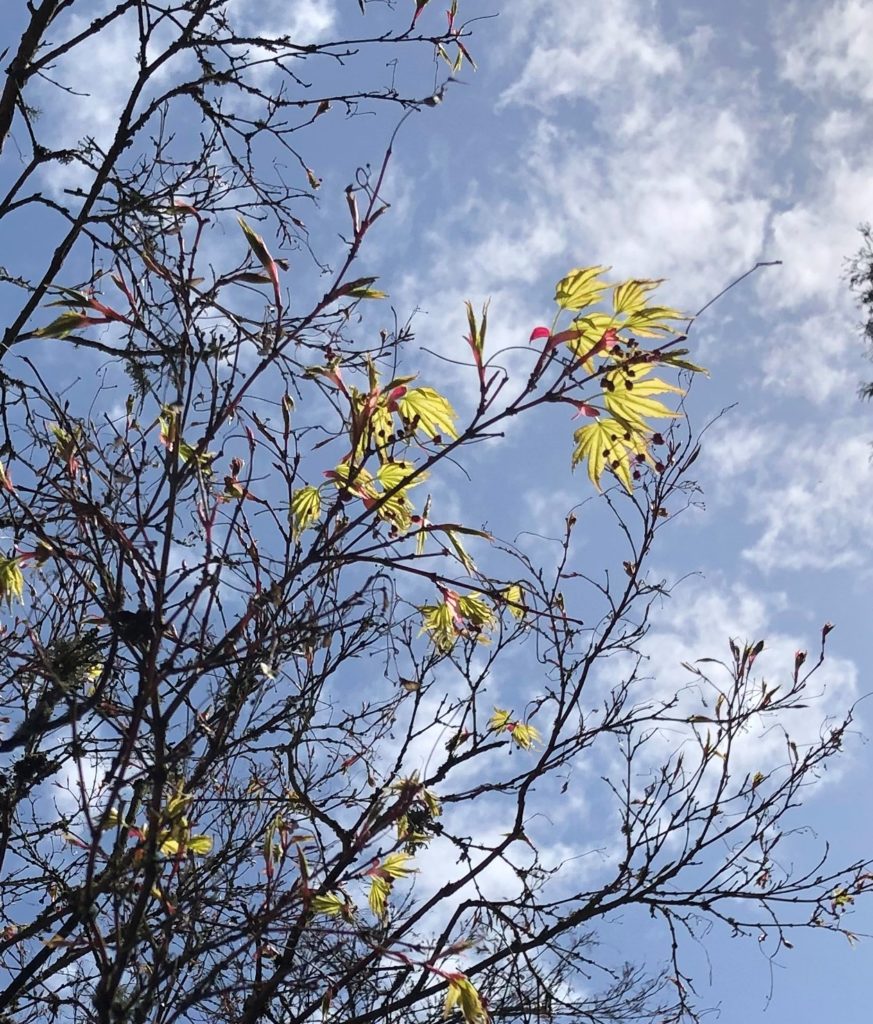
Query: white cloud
(693, 218)
(814, 236)
(698, 621)
(816, 358)
(583, 50)
(838, 127)
(302, 21)
(101, 72)
(829, 48)
(805, 489)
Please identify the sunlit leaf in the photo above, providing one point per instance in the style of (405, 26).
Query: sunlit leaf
(361, 289)
(439, 621)
(630, 296)
(395, 865)
(64, 325)
(674, 358)
(514, 597)
(500, 719)
(605, 445)
(477, 331)
(188, 453)
(580, 288)
(397, 474)
(199, 845)
(476, 610)
(332, 904)
(523, 734)
(653, 320)
(380, 890)
(461, 552)
(378, 430)
(590, 330)
(429, 412)
(170, 846)
(462, 994)
(305, 508)
(842, 898)
(629, 399)
(11, 581)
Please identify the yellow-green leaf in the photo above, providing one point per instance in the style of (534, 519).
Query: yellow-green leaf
(462, 994)
(630, 296)
(305, 508)
(439, 622)
(199, 845)
(397, 474)
(477, 331)
(379, 428)
(397, 510)
(188, 453)
(842, 898)
(380, 889)
(395, 865)
(476, 610)
(11, 581)
(430, 413)
(629, 399)
(331, 904)
(580, 288)
(524, 735)
(591, 329)
(360, 289)
(514, 597)
(674, 358)
(64, 325)
(653, 320)
(170, 846)
(608, 444)
(500, 719)
(461, 552)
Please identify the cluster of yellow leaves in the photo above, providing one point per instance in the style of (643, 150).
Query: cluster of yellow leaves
(69, 446)
(462, 993)
(382, 875)
(333, 904)
(383, 422)
(456, 616)
(523, 734)
(424, 806)
(393, 414)
(385, 492)
(175, 838)
(11, 581)
(621, 441)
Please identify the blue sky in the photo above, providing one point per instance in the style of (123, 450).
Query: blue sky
(685, 141)
(689, 141)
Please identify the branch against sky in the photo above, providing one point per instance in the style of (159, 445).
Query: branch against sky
(285, 739)
(246, 88)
